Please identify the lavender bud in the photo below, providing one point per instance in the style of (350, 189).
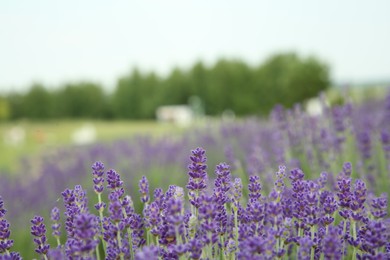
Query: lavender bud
(144, 189)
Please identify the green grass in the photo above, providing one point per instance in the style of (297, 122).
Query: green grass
(41, 136)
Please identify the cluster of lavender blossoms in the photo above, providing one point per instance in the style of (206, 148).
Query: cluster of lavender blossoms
(297, 219)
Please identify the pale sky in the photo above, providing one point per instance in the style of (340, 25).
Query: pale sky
(53, 42)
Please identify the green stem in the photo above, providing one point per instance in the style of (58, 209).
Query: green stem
(101, 222)
(277, 239)
(299, 235)
(118, 237)
(222, 248)
(235, 226)
(178, 236)
(97, 252)
(344, 230)
(353, 225)
(326, 229)
(58, 241)
(149, 239)
(129, 234)
(312, 248)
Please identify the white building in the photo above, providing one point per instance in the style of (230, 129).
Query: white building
(180, 115)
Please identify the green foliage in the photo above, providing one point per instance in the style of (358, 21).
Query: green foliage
(80, 100)
(287, 79)
(37, 103)
(227, 85)
(15, 101)
(4, 109)
(134, 96)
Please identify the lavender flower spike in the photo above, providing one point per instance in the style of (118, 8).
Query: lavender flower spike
(84, 242)
(114, 183)
(198, 175)
(38, 230)
(55, 217)
(144, 189)
(98, 178)
(5, 242)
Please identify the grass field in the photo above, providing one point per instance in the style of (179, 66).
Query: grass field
(41, 136)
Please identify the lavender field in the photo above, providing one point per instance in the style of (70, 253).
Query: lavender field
(292, 186)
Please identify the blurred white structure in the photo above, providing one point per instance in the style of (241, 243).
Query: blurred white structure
(314, 107)
(15, 136)
(180, 115)
(228, 115)
(84, 135)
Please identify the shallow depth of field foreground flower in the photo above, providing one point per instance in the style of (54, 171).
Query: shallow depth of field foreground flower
(214, 217)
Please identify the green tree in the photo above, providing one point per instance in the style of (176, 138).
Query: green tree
(127, 97)
(176, 88)
(4, 109)
(15, 101)
(150, 99)
(81, 100)
(37, 103)
(287, 79)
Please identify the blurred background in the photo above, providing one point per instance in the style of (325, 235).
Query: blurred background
(134, 83)
(78, 71)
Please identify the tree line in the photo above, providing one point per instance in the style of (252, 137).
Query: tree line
(234, 85)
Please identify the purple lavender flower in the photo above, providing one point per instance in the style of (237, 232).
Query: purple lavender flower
(153, 218)
(195, 248)
(114, 183)
(359, 196)
(256, 247)
(158, 196)
(197, 175)
(237, 192)
(345, 195)
(5, 242)
(296, 174)
(364, 144)
(223, 179)
(56, 253)
(144, 189)
(81, 200)
(385, 139)
(147, 253)
(331, 244)
(76, 203)
(330, 204)
(98, 178)
(379, 206)
(71, 210)
(305, 246)
(38, 230)
(374, 236)
(115, 208)
(11, 256)
(322, 180)
(128, 206)
(173, 227)
(279, 183)
(137, 225)
(55, 217)
(254, 188)
(84, 241)
(347, 169)
(2, 209)
(222, 183)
